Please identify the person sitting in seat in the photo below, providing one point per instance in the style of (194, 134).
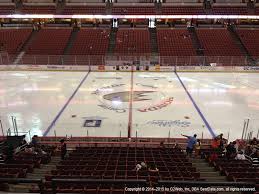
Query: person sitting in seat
(140, 166)
(153, 168)
(240, 156)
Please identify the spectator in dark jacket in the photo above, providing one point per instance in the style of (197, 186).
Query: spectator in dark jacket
(63, 149)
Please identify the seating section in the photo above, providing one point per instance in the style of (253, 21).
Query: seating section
(223, 10)
(12, 39)
(91, 42)
(84, 10)
(23, 163)
(189, 10)
(130, 10)
(250, 39)
(218, 42)
(133, 41)
(237, 170)
(7, 9)
(119, 163)
(39, 9)
(50, 42)
(175, 42)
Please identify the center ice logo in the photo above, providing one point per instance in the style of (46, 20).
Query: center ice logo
(146, 98)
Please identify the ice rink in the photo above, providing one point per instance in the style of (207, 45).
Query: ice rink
(113, 104)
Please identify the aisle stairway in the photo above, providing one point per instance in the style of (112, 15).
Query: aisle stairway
(71, 41)
(208, 173)
(112, 41)
(237, 40)
(153, 40)
(38, 173)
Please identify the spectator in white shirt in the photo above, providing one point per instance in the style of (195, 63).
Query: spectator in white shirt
(240, 156)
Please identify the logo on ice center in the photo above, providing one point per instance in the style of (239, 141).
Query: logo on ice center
(146, 98)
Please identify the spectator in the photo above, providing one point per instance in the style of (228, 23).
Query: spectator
(198, 148)
(222, 142)
(162, 145)
(140, 166)
(254, 142)
(231, 151)
(29, 149)
(35, 141)
(240, 156)
(248, 150)
(191, 143)
(235, 146)
(63, 149)
(255, 154)
(153, 168)
(177, 147)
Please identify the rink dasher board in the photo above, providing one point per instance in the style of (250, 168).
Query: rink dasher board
(156, 68)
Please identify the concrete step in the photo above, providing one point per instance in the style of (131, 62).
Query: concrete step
(40, 170)
(201, 165)
(18, 188)
(48, 166)
(217, 178)
(206, 169)
(31, 175)
(210, 174)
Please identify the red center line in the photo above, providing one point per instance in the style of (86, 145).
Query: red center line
(130, 104)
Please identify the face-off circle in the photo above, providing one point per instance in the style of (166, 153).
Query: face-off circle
(146, 98)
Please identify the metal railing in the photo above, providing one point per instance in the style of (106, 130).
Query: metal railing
(143, 59)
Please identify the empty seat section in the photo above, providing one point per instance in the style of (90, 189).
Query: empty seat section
(39, 9)
(91, 42)
(250, 39)
(12, 39)
(257, 10)
(50, 42)
(176, 42)
(119, 163)
(223, 10)
(84, 10)
(189, 10)
(127, 10)
(7, 9)
(133, 41)
(218, 42)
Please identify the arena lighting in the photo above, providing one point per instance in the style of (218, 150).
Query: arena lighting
(46, 16)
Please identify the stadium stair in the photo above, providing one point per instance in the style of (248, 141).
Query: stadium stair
(112, 41)
(208, 173)
(239, 43)
(251, 8)
(60, 7)
(195, 41)
(71, 41)
(158, 7)
(18, 6)
(38, 173)
(153, 40)
(108, 8)
(45, 168)
(30, 39)
(24, 47)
